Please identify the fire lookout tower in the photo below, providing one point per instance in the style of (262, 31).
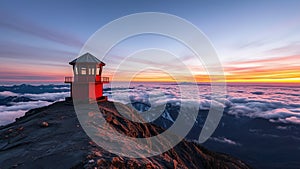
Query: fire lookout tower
(87, 83)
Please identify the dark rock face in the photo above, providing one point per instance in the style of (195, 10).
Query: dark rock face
(64, 144)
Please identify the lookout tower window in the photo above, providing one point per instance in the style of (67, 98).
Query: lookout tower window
(83, 71)
(75, 70)
(99, 70)
(91, 71)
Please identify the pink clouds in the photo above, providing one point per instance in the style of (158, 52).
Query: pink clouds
(277, 69)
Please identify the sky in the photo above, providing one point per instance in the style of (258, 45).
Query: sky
(256, 41)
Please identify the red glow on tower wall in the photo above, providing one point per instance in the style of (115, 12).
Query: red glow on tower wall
(87, 83)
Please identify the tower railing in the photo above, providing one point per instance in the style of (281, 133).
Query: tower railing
(70, 79)
(105, 79)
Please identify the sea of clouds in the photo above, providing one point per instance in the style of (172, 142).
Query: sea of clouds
(8, 113)
(276, 103)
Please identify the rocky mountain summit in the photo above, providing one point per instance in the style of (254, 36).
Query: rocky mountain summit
(52, 137)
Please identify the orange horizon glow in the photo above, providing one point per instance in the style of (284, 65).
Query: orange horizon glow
(284, 69)
(198, 79)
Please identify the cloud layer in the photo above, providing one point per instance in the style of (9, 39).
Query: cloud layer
(279, 104)
(8, 113)
(276, 103)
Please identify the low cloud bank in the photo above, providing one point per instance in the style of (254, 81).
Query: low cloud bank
(9, 112)
(278, 104)
(225, 140)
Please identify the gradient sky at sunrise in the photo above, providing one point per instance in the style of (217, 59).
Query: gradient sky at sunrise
(257, 41)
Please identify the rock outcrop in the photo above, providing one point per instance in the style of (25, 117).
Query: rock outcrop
(52, 137)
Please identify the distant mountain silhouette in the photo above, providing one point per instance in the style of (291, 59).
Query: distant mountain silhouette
(254, 140)
(7, 101)
(25, 88)
(51, 137)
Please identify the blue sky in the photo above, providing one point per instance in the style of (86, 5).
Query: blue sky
(39, 38)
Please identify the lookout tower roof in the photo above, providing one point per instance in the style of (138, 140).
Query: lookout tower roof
(87, 58)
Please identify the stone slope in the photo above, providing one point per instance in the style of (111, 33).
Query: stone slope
(51, 137)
